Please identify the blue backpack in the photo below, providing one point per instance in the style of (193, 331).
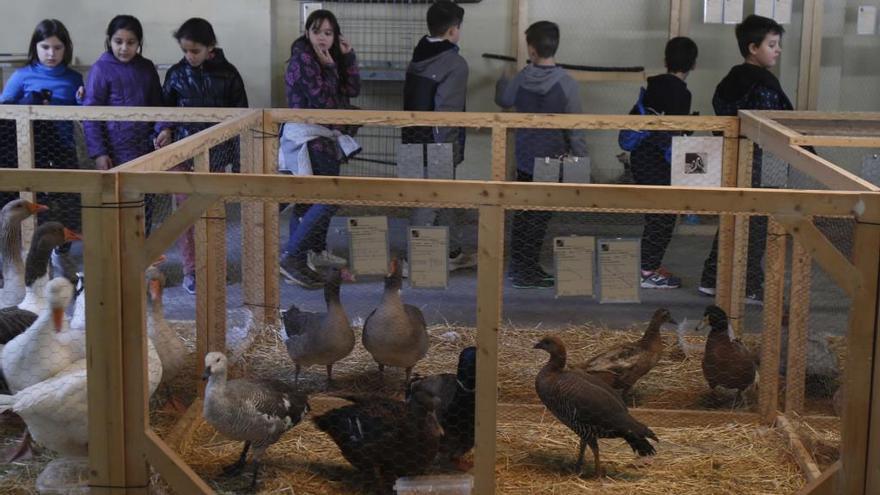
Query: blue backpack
(629, 139)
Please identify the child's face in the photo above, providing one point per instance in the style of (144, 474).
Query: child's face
(50, 51)
(321, 36)
(124, 45)
(195, 52)
(767, 54)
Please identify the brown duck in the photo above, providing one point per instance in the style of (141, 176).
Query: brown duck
(623, 365)
(727, 362)
(588, 406)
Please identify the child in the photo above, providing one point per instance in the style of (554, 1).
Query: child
(322, 73)
(541, 87)
(202, 78)
(47, 79)
(666, 94)
(436, 80)
(750, 86)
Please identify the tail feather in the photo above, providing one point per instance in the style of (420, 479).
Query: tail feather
(637, 438)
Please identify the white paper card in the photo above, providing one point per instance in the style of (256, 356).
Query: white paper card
(782, 11)
(733, 11)
(368, 244)
(712, 11)
(574, 265)
(440, 161)
(410, 161)
(619, 270)
(546, 170)
(428, 257)
(576, 169)
(696, 161)
(867, 21)
(871, 169)
(764, 8)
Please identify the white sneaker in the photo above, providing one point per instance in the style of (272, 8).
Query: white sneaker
(316, 260)
(461, 261)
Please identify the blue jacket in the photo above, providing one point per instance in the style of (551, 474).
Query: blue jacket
(542, 89)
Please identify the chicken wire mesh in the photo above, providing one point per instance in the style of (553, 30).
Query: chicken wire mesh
(847, 66)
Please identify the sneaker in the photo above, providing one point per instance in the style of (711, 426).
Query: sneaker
(706, 291)
(189, 283)
(660, 279)
(531, 281)
(459, 260)
(315, 260)
(297, 272)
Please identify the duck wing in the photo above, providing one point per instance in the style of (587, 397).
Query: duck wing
(416, 318)
(297, 322)
(614, 360)
(273, 398)
(14, 321)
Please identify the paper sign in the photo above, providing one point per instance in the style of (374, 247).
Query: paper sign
(574, 265)
(696, 161)
(546, 170)
(440, 161)
(428, 257)
(576, 169)
(782, 11)
(713, 11)
(867, 21)
(871, 169)
(368, 245)
(410, 161)
(619, 270)
(764, 8)
(733, 11)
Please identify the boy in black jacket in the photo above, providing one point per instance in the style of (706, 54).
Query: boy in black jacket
(667, 94)
(750, 86)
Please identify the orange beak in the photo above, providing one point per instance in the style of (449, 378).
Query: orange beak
(70, 235)
(159, 260)
(155, 289)
(35, 208)
(57, 318)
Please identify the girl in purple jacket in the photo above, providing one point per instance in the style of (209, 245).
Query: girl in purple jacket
(121, 77)
(322, 73)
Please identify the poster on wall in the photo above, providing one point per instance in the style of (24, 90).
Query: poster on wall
(867, 20)
(722, 11)
(573, 258)
(778, 10)
(619, 270)
(368, 245)
(696, 161)
(428, 257)
(733, 11)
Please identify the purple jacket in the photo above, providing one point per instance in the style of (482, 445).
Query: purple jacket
(113, 83)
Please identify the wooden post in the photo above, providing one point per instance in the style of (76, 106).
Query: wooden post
(489, 296)
(724, 269)
(271, 254)
(499, 153)
(811, 55)
(518, 36)
(774, 285)
(134, 343)
(24, 138)
(252, 233)
(799, 312)
(679, 18)
(741, 241)
(210, 274)
(858, 417)
(101, 255)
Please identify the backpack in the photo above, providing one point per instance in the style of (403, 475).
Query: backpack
(630, 139)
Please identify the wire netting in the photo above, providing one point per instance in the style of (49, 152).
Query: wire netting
(847, 64)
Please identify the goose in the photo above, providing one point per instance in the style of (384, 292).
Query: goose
(11, 216)
(320, 338)
(46, 237)
(726, 363)
(170, 348)
(588, 406)
(256, 412)
(395, 333)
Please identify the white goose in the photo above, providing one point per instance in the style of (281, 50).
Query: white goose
(11, 216)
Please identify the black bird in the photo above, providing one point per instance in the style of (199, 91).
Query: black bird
(588, 406)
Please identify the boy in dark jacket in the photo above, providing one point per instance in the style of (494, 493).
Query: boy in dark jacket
(541, 87)
(750, 86)
(436, 81)
(666, 94)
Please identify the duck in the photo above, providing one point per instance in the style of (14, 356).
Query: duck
(395, 334)
(11, 216)
(726, 362)
(588, 406)
(47, 346)
(257, 412)
(455, 411)
(320, 338)
(385, 438)
(170, 348)
(46, 237)
(623, 365)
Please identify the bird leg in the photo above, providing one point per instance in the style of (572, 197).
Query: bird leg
(234, 469)
(408, 374)
(382, 373)
(329, 375)
(256, 471)
(594, 446)
(579, 465)
(296, 376)
(23, 450)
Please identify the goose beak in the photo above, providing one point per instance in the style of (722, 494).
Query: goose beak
(70, 235)
(159, 261)
(35, 208)
(155, 289)
(207, 373)
(57, 318)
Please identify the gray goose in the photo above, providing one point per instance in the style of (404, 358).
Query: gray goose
(320, 338)
(588, 406)
(395, 334)
(256, 412)
(11, 216)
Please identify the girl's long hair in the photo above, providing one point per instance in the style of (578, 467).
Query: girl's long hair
(317, 18)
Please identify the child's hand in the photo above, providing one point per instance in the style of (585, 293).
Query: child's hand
(80, 93)
(324, 56)
(163, 139)
(344, 45)
(103, 162)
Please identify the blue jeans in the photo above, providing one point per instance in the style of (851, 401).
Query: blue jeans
(309, 223)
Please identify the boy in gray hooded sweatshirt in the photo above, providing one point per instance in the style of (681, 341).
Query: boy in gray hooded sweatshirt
(541, 87)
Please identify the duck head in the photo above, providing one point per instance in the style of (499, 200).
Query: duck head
(467, 368)
(715, 318)
(394, 277)
(553, 345)
(155, 282)
(59, 292)
(662, 316)
(424, 402)
(215, 364)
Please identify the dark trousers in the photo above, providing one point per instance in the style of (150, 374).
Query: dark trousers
(527, 235)
(757, 244)
(649, 167)
(309, 223)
